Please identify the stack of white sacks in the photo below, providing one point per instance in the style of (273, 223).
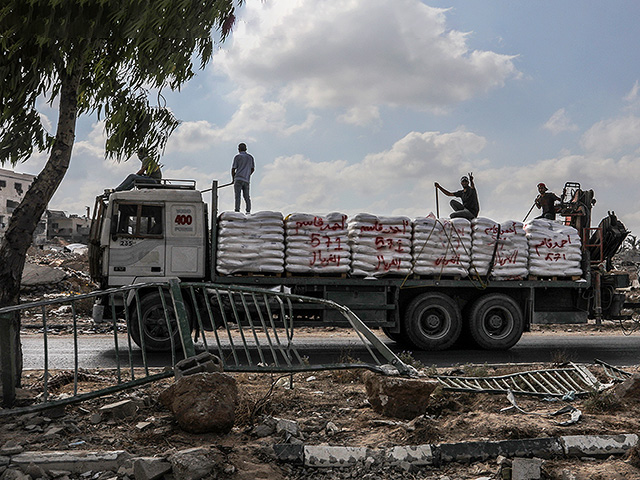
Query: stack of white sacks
(250, 243)
(317, 244)
(380, 245)
(554, 249)
(441, 246)
(509, 242)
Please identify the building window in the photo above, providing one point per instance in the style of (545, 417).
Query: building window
(3, 183)
(2, 225)
(11, 206)
(18, 188)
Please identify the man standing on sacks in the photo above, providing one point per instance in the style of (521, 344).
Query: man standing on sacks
(241, 170)
(469, 208)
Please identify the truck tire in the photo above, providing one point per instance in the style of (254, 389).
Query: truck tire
(496, 322)
(432, 321)
(154, 324)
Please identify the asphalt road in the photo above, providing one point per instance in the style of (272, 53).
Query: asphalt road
(97, 351)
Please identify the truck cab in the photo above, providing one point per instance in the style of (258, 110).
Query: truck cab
(149, 234)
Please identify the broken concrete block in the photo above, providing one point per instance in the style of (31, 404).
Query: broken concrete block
(287, 426)
(398, 397)
(329, 456)
(598, 445)
(201, 363)
(76, 462)
(415, 455)
(526, 469)
(150, 468)
(123, 409)
(481, 451)
(195, 463)
(286, 452)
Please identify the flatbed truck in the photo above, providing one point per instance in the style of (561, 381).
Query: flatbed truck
(159, 232)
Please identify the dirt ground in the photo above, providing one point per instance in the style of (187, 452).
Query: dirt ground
(331, 408)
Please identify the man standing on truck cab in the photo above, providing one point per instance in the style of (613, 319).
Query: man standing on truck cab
(546, 201)
(150, 171)
(241, 171)
(469, 207)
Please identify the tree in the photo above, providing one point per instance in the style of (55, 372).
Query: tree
(90, 56)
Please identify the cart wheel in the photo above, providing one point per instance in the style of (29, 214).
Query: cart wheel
(496, 322)
(432, 321)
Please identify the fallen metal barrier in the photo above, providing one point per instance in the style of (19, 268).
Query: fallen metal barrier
(614, 373)
(555, 382)
(251, 330)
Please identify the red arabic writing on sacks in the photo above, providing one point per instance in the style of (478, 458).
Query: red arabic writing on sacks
(333, 243)
(389, 229)
(319, 222)
(493, 231)
(324, 261)
(549, 243)
(388, 265)
(389, 243)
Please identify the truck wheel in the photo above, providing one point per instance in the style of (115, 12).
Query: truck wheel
(154, 323)
(432, 321)
(496, 322)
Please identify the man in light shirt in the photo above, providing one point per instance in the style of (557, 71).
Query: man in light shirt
(241, 171)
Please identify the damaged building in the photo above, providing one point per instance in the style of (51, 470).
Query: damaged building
(54, 223)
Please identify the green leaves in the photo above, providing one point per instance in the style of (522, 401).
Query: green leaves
(120, 48)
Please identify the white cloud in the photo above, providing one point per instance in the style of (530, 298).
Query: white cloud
(632, 97)
(560, 122)
(398, 179)
(255, 114)
(358, 54)
(361, 116)
(613, 135)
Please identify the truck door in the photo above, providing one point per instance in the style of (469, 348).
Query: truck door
(137, 243)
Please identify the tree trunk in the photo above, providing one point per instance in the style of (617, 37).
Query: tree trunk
(25, 218)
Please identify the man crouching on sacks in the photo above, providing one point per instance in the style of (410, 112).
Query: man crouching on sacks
(469, 208)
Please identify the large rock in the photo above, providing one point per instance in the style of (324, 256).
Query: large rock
(203, 402)
(34, 275)
(629, 389)
(398, 397)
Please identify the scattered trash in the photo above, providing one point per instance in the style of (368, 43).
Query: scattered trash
(575, 413)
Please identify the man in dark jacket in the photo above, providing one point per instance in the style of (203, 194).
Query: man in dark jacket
(546, 201)
(469, 208)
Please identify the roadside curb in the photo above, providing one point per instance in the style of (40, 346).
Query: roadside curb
(596, 446)
(328, 456)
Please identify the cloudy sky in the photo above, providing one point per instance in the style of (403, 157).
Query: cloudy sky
(361, 105)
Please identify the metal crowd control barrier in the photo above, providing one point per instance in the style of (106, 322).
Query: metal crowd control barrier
(251, 330)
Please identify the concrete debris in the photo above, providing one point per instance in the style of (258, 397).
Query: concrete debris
(119, 410)
(203, 402)
(526, 469)
(150, 468)
(195, 463)
(201, 363)
(398, 397)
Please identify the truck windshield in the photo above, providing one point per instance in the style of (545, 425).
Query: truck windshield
(138, 220)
